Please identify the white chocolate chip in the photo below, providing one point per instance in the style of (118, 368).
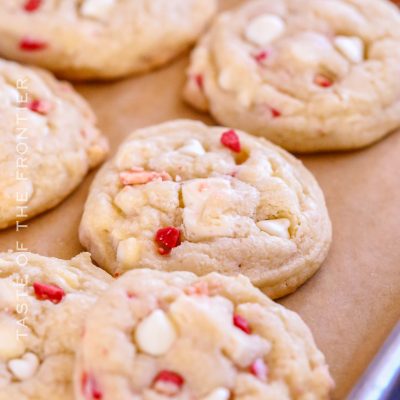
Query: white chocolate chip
(130, 200)
(216, 207)
(8, 294)
(11, 345)
(276, 227)
(96, 8)
(12, 94)
(25, 367)
(66, 277)
(245, 98)
(352, 47)
(265, 29)
(218, 394)
(193, 148)
(128, 252)
(226, 80)
(155, 334)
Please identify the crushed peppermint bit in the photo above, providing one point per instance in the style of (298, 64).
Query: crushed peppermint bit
(29, 44)
(48, 292)
(40, 106)
(137, 176)
(323, 81)
(90, 387)
(259, 369)
(230, 139)
(32, 5)
(203, 186)
(167, 238)
(168, 382)
(197, 289)
(199, 79)
(275, 113)
(242, 324)
(261, 56)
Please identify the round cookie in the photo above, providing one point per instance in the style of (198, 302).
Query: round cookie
(157, 335)
(309, 75)
(100, 39)
(43, 302)
(185, 196)
(49, 141)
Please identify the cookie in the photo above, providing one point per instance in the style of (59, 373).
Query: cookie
(100, 39)
(49, 141)
(157, 335)
(185, 196)
(43, 302)
(309, 75)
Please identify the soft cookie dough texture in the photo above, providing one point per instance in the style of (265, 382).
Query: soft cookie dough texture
(310, 75)
(100, 39)
(38, 336)
(49, 141)
(257, 212)
(155, 335)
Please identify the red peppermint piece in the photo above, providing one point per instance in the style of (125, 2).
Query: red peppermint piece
(275, 113)
(90, 387)
(32, 5)
(40, 106)
(199, 79)
(48, 292)
(242, 324)
(168, 238)
(231, 140)
(168, 382)
(29, 44)
(259, 369)
(323, 81)
(261, 56)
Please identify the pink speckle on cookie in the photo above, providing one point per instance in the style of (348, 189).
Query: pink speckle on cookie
(323, 81)
(167, 239)
(32, 5)
(230, 139)
(275, 112)
(241, 323)
(137, 176)
(203, 186)
(198, 289)
(261, 56)
(40, 106)
(30, 44)
(90, 387)
(259, 369)
(199, 79)
(48, 292)
(168, 383)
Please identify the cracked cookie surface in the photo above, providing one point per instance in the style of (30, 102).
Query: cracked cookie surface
(49, 141)
(43, 302)
(100, 39)
(309, 75)
(185, 196)
(156, 335)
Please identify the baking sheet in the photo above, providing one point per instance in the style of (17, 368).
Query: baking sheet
(352, 304)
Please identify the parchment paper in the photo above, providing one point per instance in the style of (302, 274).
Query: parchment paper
(354, 301)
